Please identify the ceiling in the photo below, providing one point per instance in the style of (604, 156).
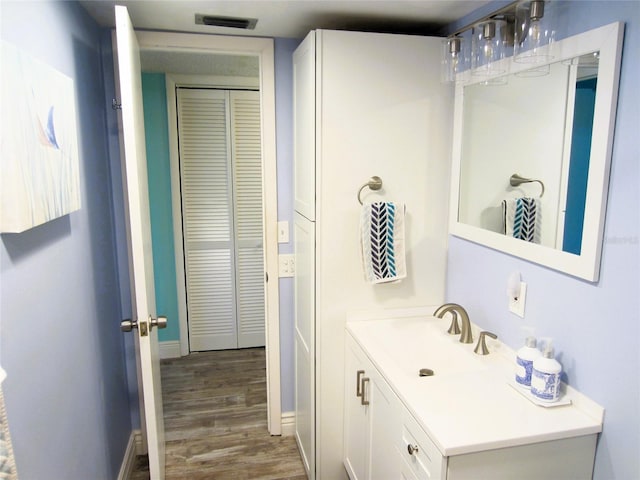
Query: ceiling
(289, 18)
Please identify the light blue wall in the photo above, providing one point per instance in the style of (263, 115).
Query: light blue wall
(156, 127)
(595, 326)
(66, 393)
(284, 144)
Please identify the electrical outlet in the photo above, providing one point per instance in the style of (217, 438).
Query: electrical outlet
(286, 265)
(516, 305)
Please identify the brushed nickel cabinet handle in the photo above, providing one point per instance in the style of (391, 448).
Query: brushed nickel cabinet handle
(363, 399)
(412, 449)
(358, 390)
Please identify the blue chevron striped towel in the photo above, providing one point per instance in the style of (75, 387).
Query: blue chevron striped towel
(383, 243)
(522, 218)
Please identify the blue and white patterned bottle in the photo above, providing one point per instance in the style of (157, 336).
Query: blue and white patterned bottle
(545, 379)
(524, 362)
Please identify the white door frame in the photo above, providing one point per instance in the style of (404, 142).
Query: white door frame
(264, 50)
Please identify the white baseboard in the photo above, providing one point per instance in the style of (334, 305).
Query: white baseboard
(288, 424)
(134, 446)
(169, 349)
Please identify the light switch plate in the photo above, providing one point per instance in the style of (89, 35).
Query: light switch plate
(283, 232)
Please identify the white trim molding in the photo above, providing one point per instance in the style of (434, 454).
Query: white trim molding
(169, 349)
(288, 424)
(134, 448)
(263, 48)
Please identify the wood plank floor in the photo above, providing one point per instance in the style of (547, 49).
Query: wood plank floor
(215, 416)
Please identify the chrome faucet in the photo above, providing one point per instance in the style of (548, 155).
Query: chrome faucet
(465, 336)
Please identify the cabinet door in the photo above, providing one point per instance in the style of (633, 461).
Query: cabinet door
(356, 413)
(304, 126)
(304, 340)
(385, 428)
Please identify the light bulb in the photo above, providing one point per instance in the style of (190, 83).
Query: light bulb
(488, 51)
(534, 33)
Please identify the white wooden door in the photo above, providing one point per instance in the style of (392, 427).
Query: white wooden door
(356, 411)
(222, 211)
(304, 126)
(139, 233)
(304, 341)
(246, 148)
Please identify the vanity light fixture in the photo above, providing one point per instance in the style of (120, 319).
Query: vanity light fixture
(523, 30)
(453, 58)
(535, 32)
(489, 44)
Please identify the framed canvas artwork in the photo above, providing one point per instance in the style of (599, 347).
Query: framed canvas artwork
(39, 166)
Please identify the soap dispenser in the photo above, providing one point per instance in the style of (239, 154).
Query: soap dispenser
(524, 362)
(545, 379)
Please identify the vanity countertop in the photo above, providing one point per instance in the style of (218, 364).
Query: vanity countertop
(469, 404)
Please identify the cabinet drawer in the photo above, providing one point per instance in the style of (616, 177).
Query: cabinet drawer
(419, 452)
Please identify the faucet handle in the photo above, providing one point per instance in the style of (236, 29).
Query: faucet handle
(481, 347)
(454, 329)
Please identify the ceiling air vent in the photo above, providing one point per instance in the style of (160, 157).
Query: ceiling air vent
(231, 22)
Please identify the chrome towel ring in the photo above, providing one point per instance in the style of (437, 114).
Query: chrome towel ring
(374, 183)
(516, 180)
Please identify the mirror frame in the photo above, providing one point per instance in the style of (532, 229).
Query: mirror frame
(608, 41)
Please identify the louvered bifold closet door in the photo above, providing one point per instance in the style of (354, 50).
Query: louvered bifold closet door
(207, 215)
(221, 181)
(247, 168)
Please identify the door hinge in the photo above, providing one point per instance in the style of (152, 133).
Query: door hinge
(116, 105)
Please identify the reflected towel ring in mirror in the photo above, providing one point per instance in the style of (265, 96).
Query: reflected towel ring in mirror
(516, 180)
(374, 183)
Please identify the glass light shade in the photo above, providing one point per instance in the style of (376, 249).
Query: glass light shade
(489, 45)
(534, 32)
(496, 81)
(454, 59)
(538, 71)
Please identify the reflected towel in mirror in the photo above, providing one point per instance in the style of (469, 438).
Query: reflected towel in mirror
(522, 218)
(383, 242)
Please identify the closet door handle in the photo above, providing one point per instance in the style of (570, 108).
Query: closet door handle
(363, 399)
(358, 390)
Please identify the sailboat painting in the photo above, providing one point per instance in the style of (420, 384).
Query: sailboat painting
(39, 165)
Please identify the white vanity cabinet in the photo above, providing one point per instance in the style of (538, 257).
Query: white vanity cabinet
(381, 438)
(372, 419)
(400, 426)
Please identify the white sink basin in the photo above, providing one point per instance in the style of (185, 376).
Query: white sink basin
(467, 406)
(410, 344)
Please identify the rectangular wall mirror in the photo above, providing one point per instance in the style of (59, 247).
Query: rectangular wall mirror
(539, 138)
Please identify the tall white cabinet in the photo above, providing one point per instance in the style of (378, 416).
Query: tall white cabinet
(364, 104)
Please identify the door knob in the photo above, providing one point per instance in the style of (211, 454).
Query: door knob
(128, 325)
(160, 322)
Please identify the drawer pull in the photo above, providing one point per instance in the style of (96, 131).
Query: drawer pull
(412, 449)
(363, 400)
(358, 389)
